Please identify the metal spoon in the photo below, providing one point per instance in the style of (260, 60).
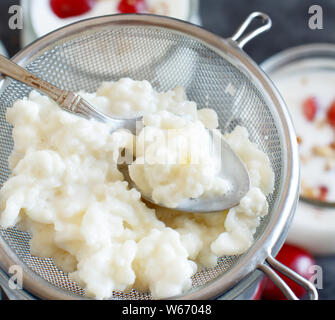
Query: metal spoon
(232, 167)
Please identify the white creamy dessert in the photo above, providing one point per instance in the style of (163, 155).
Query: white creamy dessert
(66, 190)
(44, 20)
(316, 137)
(313, 226)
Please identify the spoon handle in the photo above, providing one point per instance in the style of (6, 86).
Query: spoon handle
(68, 100)
(13, 70)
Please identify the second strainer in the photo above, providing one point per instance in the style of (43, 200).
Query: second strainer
(217, 74)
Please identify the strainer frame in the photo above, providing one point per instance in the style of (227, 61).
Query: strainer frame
(259, 256)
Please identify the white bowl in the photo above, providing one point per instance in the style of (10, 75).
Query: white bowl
(313, 226)
(40, 20)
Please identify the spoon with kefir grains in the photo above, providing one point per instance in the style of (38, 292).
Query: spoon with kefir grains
(228, 176)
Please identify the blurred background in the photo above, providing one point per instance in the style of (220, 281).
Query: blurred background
(290, 23)
(290, 28)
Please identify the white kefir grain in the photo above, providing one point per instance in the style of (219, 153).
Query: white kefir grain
(66, 190)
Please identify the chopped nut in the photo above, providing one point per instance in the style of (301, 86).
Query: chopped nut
(319, 193)
(309, 192)
(299, 140)
(324, 151)
(330, 165)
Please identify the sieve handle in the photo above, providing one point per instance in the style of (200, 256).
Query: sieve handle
(272, 263)
(240, 39)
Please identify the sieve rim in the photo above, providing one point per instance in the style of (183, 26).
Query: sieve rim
(275, 231)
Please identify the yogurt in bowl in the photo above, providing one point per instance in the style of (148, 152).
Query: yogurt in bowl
(41, 18)
(305, 76)
(310, 97)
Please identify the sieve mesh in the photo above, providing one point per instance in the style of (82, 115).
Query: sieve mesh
(166, 58)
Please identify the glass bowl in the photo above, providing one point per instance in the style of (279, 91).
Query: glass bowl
(314, 224)
(29, 34)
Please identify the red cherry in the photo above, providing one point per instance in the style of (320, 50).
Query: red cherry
(309, 108)
(331, 114)
(131, 6)
(71, 8)
(323, 193)
(296, 259)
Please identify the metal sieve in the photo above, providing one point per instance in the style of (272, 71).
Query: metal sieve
(216, 73)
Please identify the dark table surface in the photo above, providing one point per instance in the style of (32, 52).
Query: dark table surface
(290, 28)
